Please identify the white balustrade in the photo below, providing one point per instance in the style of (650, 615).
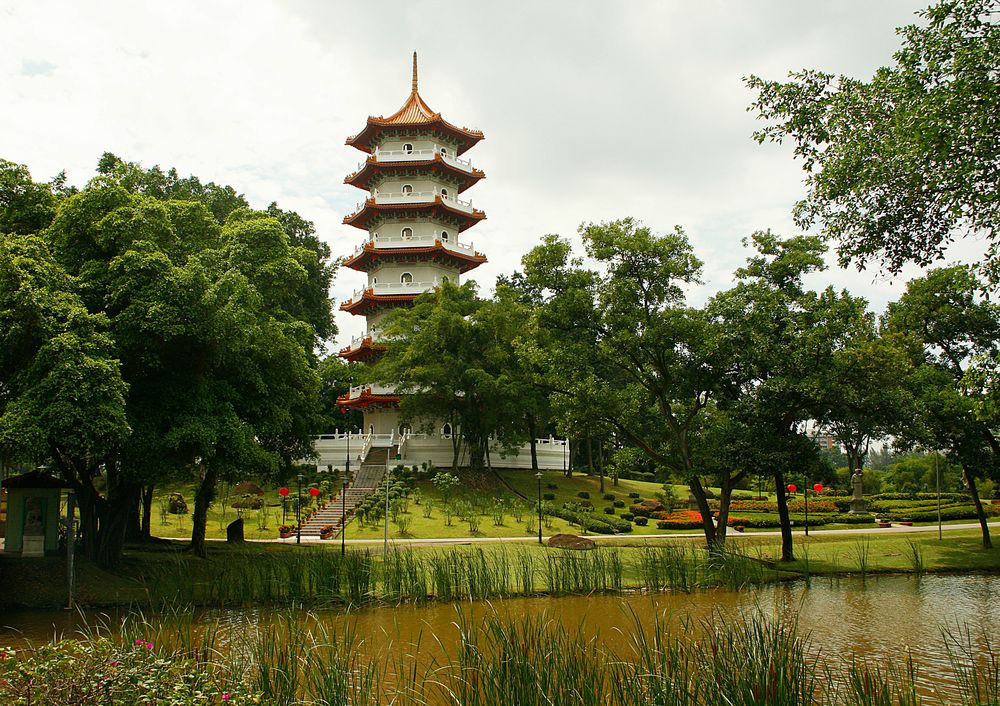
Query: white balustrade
(375, 389)
(423, 155)
(388, 242)
(396, 288)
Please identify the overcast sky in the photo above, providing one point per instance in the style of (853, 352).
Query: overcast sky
(592, 110)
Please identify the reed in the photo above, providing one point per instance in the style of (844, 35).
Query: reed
(915, 553)
(862, 556)
(975, 663)
(874, 685)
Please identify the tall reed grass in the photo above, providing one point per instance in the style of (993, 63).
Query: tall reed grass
(742, 660)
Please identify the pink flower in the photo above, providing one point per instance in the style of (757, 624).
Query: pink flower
(149, 645)
(114, 664)
(138, 641)
(226, 695)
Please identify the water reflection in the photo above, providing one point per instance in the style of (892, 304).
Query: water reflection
(879, 619)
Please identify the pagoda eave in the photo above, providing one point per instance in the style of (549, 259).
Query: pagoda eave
(363, 177)
(438, 208)
(367, 399)
(438, 253)
(366, 350)
(464, 138)
(369, 301)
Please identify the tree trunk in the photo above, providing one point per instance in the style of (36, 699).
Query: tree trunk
(133, 521)
(202, 499)
(600, 464)
(706, 513)
(980, 513)
(590, 454)
(787, 553)
(147, 512)
(532, 433)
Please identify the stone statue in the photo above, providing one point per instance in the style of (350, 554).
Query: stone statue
(33, 520)
(857, 499)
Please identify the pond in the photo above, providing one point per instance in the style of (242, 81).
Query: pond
(880, 619)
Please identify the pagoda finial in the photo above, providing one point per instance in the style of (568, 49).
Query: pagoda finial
(414, 72)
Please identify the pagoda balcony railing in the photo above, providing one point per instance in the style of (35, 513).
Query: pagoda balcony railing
(388, 242)
(417, 156)
(395, 288)
(419, 197)
(375, 389)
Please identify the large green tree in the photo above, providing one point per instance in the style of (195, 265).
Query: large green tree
(781, 340)
(950, 326)
(213, 314)
(900, 165)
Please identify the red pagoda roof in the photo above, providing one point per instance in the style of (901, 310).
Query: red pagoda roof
(437, 208)
(367, 399)
(369, 300)
(363, 351)
(415, 113)
(372, 167)
(437, 252)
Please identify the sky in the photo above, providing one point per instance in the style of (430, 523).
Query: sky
(592, 111)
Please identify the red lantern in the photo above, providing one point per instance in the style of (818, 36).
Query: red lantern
(792, 488)
(818, 487)
(283, 492)
(314, 492)
(343, 410)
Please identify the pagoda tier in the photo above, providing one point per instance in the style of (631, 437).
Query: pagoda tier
(362, 348)
(369, 301)
(364, 396)
(461, 257)
(406, 163)
(414, 205)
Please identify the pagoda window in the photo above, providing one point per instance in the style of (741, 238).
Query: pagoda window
(444, 236)
(406, 233)
(444, 278)
(407, 147)
(444, 151)
(371, 429)
(407, 189)
(444, 193)
(374, 280)
(446, 431)
(406, 278)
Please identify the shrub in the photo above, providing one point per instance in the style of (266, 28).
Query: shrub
(610, 510)
(548, 496)
(627, 516)
(634, 496)
(681, 520)
(641, 521)
(619, 503)
(583, 494)
(609, 497)
(551, 486)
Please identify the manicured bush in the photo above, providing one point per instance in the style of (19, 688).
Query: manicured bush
(628, 516)
(634, 496)
(609, 510)
(548, 496)
(551, 486)
(609, 497)
(641, 521)
(619, 503)
(583, 494)
(686, 519)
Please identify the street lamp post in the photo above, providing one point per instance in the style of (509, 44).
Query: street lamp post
(298, 512)
(539, 477)
(805, 494)
(937, 481)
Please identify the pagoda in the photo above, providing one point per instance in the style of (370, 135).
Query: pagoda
(414, 219)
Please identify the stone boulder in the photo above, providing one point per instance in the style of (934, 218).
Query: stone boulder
(234, 532)
(570, 541)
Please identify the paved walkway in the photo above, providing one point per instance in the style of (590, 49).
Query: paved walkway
(444, 541)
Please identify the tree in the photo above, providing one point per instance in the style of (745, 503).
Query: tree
(780, 340)
(214, 324)
(62, 395)
(622, 349)
(448, 355)
(950, 326)
(899, 166)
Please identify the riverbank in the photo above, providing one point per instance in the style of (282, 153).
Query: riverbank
(276, 572)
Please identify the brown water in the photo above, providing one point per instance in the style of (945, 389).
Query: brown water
(880, 619)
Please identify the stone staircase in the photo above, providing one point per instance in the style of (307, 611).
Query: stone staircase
(338, 511)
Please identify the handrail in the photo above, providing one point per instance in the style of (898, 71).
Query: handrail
(389, 288)
(389, 242)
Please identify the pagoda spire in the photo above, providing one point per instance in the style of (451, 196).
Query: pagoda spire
(414, 72)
